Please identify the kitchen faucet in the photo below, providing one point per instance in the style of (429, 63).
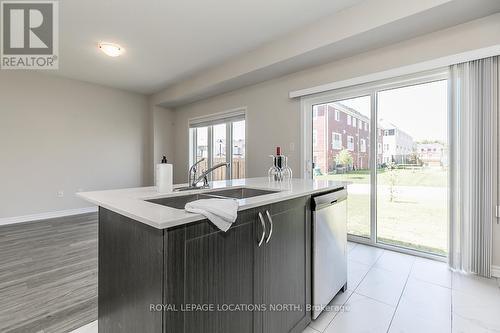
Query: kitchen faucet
(204, 175)
(193, 172)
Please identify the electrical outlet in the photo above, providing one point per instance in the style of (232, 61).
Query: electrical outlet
(60, 194)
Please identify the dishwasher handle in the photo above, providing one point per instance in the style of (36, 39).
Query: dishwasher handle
(326, 200)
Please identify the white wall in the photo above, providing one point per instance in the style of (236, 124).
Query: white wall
(274, 119)
(163, 132)
(60, 134)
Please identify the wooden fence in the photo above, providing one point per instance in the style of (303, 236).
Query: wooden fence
(238, 165)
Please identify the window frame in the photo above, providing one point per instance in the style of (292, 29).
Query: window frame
(366, 89)
(226, 117)
(362, 145)
(353, 143)
(333, 140)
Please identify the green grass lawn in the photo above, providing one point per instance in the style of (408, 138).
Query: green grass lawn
(422, 177)
(416, 218)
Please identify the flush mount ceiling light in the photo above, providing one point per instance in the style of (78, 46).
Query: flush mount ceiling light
(111, 49)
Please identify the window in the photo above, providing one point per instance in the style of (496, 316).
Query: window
(336, 141)
(362, 145)
(315, 138)
(200, 138)
(336, 161)
(238, 150)
(337, 115)
(360, 124)
(350, 143)
(366, 126)
(219, 139)
(386, 147)
(315, 113)
(417, 219)
(219, 148)
(353, 122)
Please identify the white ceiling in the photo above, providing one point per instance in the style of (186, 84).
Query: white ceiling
(368, 25)
(167, 40)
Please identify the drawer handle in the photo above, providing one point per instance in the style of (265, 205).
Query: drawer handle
(263, 229)
(271, 229)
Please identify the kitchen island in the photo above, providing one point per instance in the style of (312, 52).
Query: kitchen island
(162, 269)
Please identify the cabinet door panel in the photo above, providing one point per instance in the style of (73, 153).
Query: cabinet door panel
(285, 271)
(219, 270)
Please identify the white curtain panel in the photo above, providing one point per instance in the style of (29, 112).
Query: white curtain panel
(474, 164)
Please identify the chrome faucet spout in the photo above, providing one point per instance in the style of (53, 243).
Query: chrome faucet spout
(204, 175)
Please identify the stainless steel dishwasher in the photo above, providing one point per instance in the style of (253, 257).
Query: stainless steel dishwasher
(329, 248)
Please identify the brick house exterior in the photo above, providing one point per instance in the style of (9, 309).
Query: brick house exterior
(335, 127)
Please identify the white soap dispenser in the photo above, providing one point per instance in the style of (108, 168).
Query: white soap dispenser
(164, 176)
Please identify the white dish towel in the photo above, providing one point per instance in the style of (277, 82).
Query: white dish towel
(221, 212)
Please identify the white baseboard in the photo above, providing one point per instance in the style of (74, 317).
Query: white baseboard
(495, 271)
(48, 215)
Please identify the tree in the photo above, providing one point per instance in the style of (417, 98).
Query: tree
(413, 159)
(344, 157)
(392, 169)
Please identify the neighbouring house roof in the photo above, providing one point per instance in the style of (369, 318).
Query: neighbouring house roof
(344, 108)
(386, 125)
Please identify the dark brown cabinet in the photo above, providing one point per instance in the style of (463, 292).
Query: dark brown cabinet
(214, 281)
(284, 268)
(216, 271)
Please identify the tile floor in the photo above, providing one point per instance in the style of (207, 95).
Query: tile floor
(393, 292)
(396, 293)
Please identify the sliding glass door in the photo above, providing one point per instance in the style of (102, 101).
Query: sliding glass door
(389, 141)
(341, 151)
(412, 182)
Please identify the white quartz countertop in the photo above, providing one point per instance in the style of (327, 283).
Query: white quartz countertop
(132, 202)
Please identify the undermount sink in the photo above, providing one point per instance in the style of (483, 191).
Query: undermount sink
(241, 193)
(179, 201)
(233, 193)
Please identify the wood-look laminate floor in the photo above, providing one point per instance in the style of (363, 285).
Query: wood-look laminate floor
(48, 274)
